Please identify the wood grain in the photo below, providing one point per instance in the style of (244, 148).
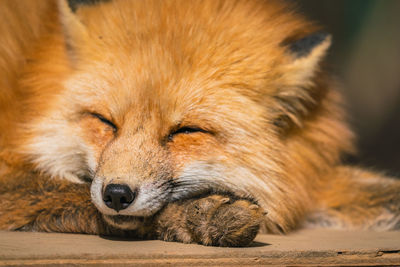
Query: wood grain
(306, 247)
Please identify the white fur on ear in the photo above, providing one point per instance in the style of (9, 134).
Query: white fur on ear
(306, 54)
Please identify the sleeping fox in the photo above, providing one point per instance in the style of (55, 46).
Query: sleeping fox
(192, 121)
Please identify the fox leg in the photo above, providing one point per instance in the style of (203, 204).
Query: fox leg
(357, 199)
(213, 220)
(49, 205)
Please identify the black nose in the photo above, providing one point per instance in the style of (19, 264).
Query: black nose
(118, 196)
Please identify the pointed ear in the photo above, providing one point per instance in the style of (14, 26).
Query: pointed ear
(73, 15)
(302, 92)
(306, 54)
(74, 30)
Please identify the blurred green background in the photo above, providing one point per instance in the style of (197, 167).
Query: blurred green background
(365, 56)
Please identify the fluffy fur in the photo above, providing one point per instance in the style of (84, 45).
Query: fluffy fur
(215, 112)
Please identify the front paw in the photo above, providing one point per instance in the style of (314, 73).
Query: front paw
(221, 221)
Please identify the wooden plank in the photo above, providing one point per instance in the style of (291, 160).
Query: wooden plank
(306, 247)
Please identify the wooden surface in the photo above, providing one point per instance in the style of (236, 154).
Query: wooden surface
(306, 247)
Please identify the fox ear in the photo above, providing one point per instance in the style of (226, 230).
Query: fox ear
(73, 22)
(306, 54)
(74, 30)
(302, 92)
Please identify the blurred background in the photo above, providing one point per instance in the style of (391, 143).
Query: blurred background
(365, 56)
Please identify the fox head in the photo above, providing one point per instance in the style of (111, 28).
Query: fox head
(156, 101)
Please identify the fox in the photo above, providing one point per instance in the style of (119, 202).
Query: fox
(192, 121)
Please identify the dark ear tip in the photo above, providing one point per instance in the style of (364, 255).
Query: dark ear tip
(74, 4)
(302, 47)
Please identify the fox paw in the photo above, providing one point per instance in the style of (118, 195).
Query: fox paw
(220, 221)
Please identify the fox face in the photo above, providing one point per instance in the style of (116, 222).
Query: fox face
(157, 101)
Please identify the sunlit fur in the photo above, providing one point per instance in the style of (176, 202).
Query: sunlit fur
(274, 126)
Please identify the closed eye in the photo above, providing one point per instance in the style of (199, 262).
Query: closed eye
(105, 121)
(186, 130)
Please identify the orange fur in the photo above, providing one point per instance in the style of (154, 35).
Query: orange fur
(272, 126)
